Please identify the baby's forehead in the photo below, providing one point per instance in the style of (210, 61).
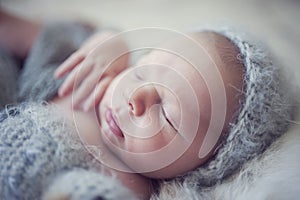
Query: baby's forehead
(214, 51)
(213, 44)
(219, 47)
(224, 53)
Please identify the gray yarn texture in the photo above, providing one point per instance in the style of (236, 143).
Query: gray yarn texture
(56, 42)
(40, 156)
(8, 76)
(43, 157)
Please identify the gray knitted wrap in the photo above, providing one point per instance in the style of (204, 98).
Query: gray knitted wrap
(40, 156)
(55, 43)
(8, 76)
(43, 157)
(265, 114)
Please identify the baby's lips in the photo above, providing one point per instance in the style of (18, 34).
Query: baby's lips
(113, 125)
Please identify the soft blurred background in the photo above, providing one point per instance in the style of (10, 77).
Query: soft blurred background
(276, 22)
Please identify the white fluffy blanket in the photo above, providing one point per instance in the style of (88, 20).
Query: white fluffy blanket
(275, 175)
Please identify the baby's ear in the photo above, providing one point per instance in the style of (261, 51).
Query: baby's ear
(79, 184)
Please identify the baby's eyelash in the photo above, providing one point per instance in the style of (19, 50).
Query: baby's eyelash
(165, 114)
(138, 75)
(168, 120)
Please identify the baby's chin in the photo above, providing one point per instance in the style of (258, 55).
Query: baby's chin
(168, 172)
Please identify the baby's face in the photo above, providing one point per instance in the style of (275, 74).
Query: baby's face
(155, 116)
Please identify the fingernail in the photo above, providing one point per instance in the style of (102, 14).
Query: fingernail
(56, 74)
(60, 92)
(86, 107)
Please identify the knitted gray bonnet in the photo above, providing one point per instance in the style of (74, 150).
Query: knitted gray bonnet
(265, 113)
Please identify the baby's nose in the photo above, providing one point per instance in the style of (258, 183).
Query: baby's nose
(143, 99)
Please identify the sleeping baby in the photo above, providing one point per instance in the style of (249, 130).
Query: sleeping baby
(193, 109)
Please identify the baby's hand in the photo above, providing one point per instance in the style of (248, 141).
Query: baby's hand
(91, 69)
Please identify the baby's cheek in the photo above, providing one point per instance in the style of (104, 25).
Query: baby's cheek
(147, 145)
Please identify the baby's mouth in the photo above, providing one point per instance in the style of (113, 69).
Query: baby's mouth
(113, 126)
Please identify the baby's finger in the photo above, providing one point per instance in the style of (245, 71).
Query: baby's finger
(85, 89)
(69, 64)
(76, 76)
(97, 94)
